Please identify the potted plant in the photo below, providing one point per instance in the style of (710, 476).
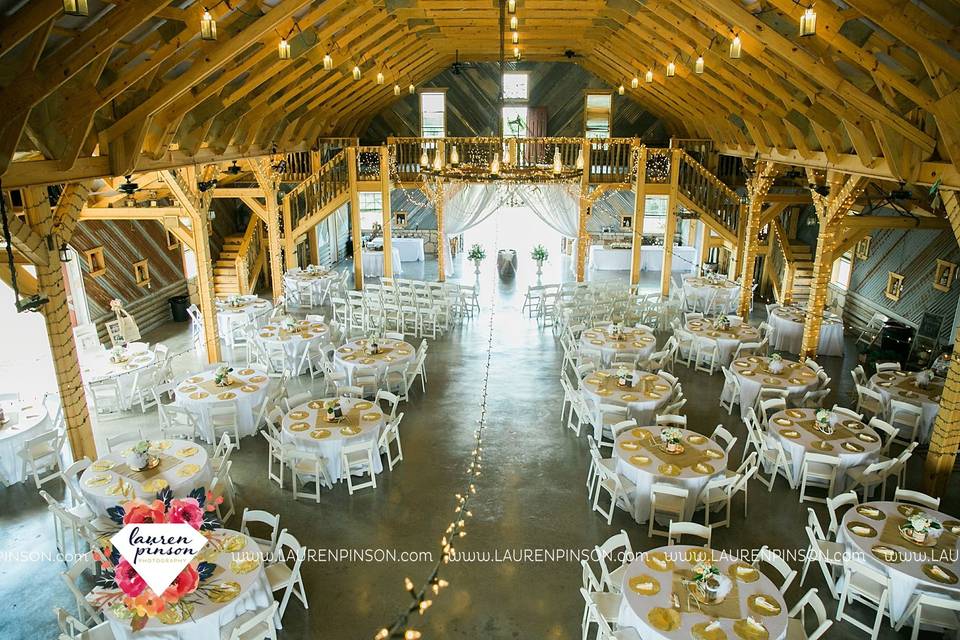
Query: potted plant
(919, 526)
(475, 255)
(540, 255)
(711, 585)
(722, 323)
(139, 457)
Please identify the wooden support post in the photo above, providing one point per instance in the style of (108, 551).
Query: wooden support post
(355, 218)
(704, 244)
(583, 238)
(945, 437)
(671, 223)
(56, 316)
(639, 207)
(757, 187)
(289, 241)
(442, 242)
(268, 185)
(387, 215)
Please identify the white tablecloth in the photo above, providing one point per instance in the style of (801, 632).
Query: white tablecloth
(318, 280)
(187, 468)
(410, 249)
(636, 605)
(684, 258)
(599, 340)
(705, 292)
(252, 310)
(352, 355)
(601, 387)
(753, 374)
(644, 466)
(97, 367)
(788, 332)
(25, 420)
(373, 263)
(727, 340)
(209, 618)
(900, 385)
(247, 392)
(907, 577)
(797, 440)
(604, 259)
(295, 343)
(305, 429)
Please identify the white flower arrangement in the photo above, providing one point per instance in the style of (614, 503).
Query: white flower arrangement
(288, 323)
(704, 570)
(823, 416)
(776, 358)
(922, 524)
(671, 435)
(722, 322)
(221, 377)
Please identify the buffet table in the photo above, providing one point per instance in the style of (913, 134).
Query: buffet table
(651, 258)
(410, 249)
(373, 263)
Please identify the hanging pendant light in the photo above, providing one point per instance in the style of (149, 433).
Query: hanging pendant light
(513, 23)
(208, 26)
(511, 6)
(411, 89)
(580, 159)
(621, 90)
(424, 159)
(516, 52)
(81, 9)
(648, 77)
(356, 72)
(557, 162)
(327, 62)
(396, 89)
(454, 156)
(516, 37)
(283, 49)
(380, 77)
(808, 22)
(698, 65)
(438, 162)
(506, 155)
(495, 165)
(635, 82)
(671, 69)
(736, 48)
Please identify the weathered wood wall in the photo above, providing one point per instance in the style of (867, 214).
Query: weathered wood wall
(472, 104)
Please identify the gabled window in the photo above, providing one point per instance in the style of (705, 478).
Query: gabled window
(433, 114)
(597, 115)
(515, 86)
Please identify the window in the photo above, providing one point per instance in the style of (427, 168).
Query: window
(515, 121)
(433, 117)
(95, 262)
(894, 286)
(842, 270)
(515, 86)
(371, 209)
(597, 115)
(655, 215)
(141, 273)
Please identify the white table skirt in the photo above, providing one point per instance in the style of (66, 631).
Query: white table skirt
(788, 336)
(410, 249)
(373, 263)
(24, 421)
(750, 386)
(643, 411)
(928, 408)
(603, 259)
(684, 258)
(229, 318)
(247, 403)
(295, 344)
(710, 294)
(356, 350)
(97, 367)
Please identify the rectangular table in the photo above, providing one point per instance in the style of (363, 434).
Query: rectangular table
(410, 249)
(651, 258)
(373, 263)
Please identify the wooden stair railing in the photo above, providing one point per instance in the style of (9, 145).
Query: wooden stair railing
(704, 193)
(241, 261)
(313, 199)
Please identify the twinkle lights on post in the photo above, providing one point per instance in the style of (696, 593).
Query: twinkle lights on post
(80, 8)
(208, 26)
(808, 22)
(736, 48)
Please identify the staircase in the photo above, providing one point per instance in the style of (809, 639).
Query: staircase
(702, 192)
(802, 273)
(225, 277)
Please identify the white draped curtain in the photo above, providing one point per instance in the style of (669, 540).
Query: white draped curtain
(465, 206)
(556, 206)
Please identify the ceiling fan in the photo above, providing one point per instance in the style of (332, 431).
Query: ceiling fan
(128, 187)
(234, 169)
(458, 66)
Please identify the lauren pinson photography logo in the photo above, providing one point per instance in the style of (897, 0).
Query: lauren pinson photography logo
(158, 552)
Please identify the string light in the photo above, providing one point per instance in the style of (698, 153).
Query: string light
(808, 22)
(671, 69)
(698, 65)
(736, 48)
(78, 8)
(208, 26)
(327, 62)
(283, 49)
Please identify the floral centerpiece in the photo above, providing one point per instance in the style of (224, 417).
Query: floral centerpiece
(776, 364)
(822, 418)
(476, 255)
(722, 323)
(919, 526)
(373, 345)
(221, 377)
(539, 255)
(118, 355)
(140, 456)
(288, 323)
(334, 411)
(624, 377)
(924, 378)
(712, 586)
(615, 329)
(671, 438)
(128, 593)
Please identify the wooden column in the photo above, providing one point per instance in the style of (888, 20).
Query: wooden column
(757, 188)
(289, 242)
(387, 215)
(639, 207)
(945, 436)
(704, 243)
(671, 223)
(269, 185)
(830, 210)
(56, 315)
(583, 238)
(355, 218)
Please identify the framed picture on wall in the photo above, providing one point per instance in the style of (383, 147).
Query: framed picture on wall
(626, 222)
(943, 275)
(863, 248)
(894, 286)
(400, 219)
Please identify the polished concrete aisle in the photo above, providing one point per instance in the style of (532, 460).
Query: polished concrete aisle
(531, 502)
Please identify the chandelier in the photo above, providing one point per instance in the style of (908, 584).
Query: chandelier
(507, 165)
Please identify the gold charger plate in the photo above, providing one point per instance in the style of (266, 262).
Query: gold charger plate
(603, 392)
(628, 397)
(661, 387)
(852, 446)
(349, 431)
(316, 404)
(592, 381)
(866, 437)
(852, 424)
(226, 395)
(371, 417)
(743, 572)
(103, 465)
(664, 619)
(187, 470)
(188, 389)
(885, 554)
(641, 433)
(790, 433)
(653, 396)
(931, 571)
(299, 426)
(794, 413)
(98, 481)
(748, 373)
(713, 453)
(658, 561)
(871, 512)
(234, 543)
(176, 615)
(952, 526)
(349, 358)
(861, 529)
(195, 379)
(763, 605)
(748, 631)
(246, 372)
(243, 567)
(223, 592)
(668, 469)
(644, 585)
(741, 363)
(249, 388)
(907, 510)
(769, 380)
(362, 405)
(629, 445)
(299, 415)
(639, 460)
(784, 422)
(188, 452)
(258, 379)
(821, 445)
(199, 395)
(157, 484)
(704, 468)
(696, 438)
(699, 632)
(320, 434)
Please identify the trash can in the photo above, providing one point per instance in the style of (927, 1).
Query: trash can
(178, 308)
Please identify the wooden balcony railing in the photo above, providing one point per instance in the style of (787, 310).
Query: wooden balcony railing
(329, 183)
(251, 255)
(708, 193)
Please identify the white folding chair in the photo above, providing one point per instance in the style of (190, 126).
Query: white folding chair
(870, 401)
(779, 565)
(868, 586)
(724, 438)
(256, 625)
(834, 504)
(618, 549)
(358, 459)
(307, 467)
(917, 498)
(883, 367)
(679, 529)
(617, 487)
(43, 452)
(827, 554)
(222, 417)
(388, 437)
(730, 395)
(931, 610)
(269, 520)
(284, 577)
(906, 419)
(85, 567)
(818, 470)
(797, 624)
(668, 500)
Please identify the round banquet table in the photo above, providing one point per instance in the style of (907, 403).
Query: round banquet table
(247, 390)
(854, 443)
(703, 293)
(318, 280)
(642, 460)
(872, 529)
(307, 429)
(98, 367)
(352, 355)
(727, 340)
(650, 581)
(184, 466)
(249, 310)
(787, 335)
(304, 335)
(239, 585)
(902, 386)
(642, 400)
(636, 342)
(373, 262)
(753, 373)
(25, 419)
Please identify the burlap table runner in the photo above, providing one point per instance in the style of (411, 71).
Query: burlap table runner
(691, 455)
(791, 370)
(707, 330)
(910, 384)
(728, 608)
(211, 387)
(839, 431)
(891, 535)
(351, 418)
(166, 463)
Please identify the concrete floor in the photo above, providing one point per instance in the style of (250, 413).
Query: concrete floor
(531, 496)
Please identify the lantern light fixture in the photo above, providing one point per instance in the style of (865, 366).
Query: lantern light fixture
(736, 48)
(621, 90)
(808, 22)
(516, 52)
(671, 69)
(698, 65)
(396, 89)
(208, 26)
(513, 23)
(635, 82)
(557, 161)
(454, 156)
(424, 159)
(516, 37)
(380, 78)
(411, 89)
(356, 72)
(511, 6)
(580, 159)
(648, 77)
(283, 49)
(78, 8)
(327, 62)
